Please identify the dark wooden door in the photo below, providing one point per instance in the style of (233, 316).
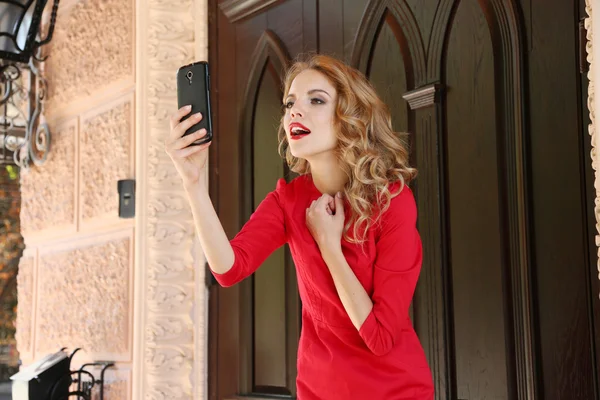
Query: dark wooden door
(490, 91)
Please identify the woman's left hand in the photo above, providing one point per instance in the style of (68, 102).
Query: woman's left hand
(325, 220)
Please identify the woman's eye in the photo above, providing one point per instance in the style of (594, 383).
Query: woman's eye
(315, 100)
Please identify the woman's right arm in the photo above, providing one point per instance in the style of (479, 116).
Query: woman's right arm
(190, 162)
(261, 235)
(214, 241)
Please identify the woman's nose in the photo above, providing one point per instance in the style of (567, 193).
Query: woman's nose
(295, 111)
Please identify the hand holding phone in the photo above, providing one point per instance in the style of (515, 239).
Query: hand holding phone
(193, 89)
(191, 126)
(189, 160)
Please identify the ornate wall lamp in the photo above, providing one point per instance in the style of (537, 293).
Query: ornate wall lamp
(24, 139)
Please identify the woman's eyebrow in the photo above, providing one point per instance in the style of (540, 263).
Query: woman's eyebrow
(318, 90)
(309, 92)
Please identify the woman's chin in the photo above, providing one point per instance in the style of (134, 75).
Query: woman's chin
(298, 153)
(312, 154)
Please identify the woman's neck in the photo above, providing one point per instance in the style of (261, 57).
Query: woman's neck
(327, 175)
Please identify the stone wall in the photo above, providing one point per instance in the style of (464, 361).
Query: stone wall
(76, 278)
(128, 290)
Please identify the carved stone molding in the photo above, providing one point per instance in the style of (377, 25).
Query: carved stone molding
(591, 103)
(169, 339)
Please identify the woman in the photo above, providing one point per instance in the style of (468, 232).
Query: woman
(350, 222)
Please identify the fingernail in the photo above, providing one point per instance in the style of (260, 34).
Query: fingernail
(188, 107)
(198, 115)
(339, 195)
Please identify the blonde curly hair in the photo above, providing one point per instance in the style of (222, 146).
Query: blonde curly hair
(371, 154)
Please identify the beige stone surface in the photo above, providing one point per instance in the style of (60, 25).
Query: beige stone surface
(92, 49)
(105, 156)
(85, 292)
(80, 291)
(117, 384)
(25, 311)
(48, 193)
(114, 390)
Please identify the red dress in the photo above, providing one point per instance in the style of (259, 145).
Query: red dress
(384, 360)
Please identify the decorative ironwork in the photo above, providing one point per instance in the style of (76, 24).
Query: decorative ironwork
(83, 379)
(24, 137)
(51, 378)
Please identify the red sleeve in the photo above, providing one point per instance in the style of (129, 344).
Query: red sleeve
(396, 270)
(259, 237)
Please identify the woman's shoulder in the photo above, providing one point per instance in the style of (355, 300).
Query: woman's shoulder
(402, 204)
(400, 190)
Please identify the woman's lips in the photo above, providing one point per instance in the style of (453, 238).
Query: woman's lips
(298, 131)
(298, 137)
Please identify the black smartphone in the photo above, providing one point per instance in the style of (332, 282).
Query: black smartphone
(193, 88)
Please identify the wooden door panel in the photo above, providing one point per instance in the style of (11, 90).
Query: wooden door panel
(338, 23)
(488, 92)
(236, 10)
(561, 258)
(289, 30)
(391, 83)
(424, 12)
(270, 306)
(269, 285)
(223, 332)
(590, 197)
(331, 26)
(406, 32)
(472, 169)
